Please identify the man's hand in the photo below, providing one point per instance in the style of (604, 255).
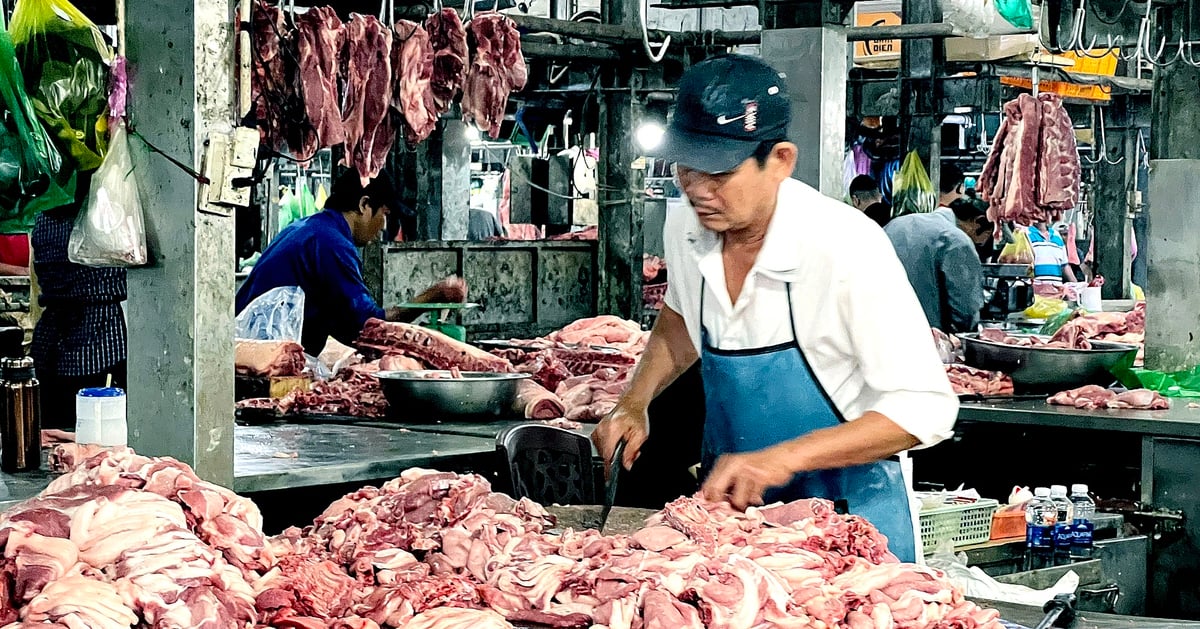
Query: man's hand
(627, 421)
(742, 479)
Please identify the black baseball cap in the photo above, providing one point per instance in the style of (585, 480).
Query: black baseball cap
(725, 107)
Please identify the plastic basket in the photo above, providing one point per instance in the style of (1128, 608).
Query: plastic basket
(963, 524)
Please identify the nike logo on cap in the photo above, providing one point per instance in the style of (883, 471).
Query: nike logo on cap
(723, 120)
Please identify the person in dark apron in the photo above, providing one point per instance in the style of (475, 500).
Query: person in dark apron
(816, 374)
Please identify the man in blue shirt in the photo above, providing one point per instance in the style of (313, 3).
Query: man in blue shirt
(320, 255)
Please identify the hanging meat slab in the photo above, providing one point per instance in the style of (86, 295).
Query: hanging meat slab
(412, 94)
(319, 34)
(367, 115)
(268, 84)
(497, 68)
(449, 40)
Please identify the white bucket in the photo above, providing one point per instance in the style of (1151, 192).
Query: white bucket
(100, 417)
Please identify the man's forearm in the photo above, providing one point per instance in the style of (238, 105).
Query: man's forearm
(669, 353)
(870, 438)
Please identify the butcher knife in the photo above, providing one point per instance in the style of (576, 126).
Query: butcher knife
(610, 490)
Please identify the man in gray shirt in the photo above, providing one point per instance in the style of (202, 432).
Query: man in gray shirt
(940, 260)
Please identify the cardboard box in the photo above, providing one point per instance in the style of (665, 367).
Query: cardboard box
(989, 49)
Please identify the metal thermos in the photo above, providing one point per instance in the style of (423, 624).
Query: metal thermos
(21, 413)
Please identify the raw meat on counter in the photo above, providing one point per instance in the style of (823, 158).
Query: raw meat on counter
(1092, 397)
(535, 402)
(127, 540)
(1033, 172)
(367, 118)
(1058, 341)
(497, 69)
(589, 398)
(354, 393)
(428, 346)
(268, 358)
(605, 330)
(412, 94)
(967, 380)
(448, 38)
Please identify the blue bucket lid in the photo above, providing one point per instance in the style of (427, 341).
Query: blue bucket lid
(102, 392)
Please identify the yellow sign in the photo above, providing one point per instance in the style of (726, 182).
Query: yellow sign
(1097, 63)
(885, 48)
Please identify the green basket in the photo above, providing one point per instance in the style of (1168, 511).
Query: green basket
(963, 524)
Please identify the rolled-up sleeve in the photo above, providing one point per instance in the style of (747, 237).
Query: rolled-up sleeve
(903, 375)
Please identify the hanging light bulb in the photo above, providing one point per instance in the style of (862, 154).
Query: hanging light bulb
(649, 135)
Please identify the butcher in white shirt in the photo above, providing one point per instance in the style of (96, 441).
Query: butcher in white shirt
(817, 360)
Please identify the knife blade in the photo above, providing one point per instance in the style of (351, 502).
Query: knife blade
(610, 490)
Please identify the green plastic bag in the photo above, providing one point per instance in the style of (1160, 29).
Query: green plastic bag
(1181, 384)
(1055, 323)
(29, 163)
(912, 189)
(66, 63)
(1016, 12)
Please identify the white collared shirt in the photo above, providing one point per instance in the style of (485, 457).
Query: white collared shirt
(855, 314)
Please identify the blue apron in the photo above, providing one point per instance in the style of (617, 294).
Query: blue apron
(757, 398)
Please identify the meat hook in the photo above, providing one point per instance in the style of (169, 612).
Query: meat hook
(1102, 149)
(1189, 58)
(1079, 28)
(662, 48)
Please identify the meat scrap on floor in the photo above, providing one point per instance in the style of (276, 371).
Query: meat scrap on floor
(152, 545)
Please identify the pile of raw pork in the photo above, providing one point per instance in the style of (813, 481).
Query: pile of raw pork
(577, 372)
(127, 540)
(319, 83)
(1033, 173)
(1092, 397)
(1078, 333)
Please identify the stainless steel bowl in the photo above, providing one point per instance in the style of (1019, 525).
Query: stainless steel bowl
(1040, 369)
(429, 395)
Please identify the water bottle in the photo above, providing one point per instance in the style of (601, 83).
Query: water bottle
(1082, 526)
(1062, 524)
(1040, 516)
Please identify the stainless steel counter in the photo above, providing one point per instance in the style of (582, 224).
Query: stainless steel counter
(1030, 616)
(287, 456)
(1179, 421)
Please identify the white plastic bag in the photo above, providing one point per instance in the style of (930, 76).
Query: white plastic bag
(276, 315)
(977, 584)
(110, 230)
(972, 18)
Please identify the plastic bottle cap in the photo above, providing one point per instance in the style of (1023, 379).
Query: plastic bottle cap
(1079, 488)
(101, 392)
(1041, 492)
(1058, 490)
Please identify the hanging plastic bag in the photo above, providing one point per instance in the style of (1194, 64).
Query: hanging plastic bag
(913, 190)
(1019, 251)
(1016, 12)
(1045, 307)
(276, 315)
(110, 230)
(29, 163)
(65, 60)
(972, 18)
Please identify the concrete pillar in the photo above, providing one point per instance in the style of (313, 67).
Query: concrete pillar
(180, 307)
(1110, 202)
(1173, 294)
(621, 179)
(444, 182)
(922, 64)
(815, 62)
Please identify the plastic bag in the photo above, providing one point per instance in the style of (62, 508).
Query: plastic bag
(1178, 384)
(1019, 251)
(65, 59)
(913, 190)
(29, 163)
(276, 315)
(110, 230)
(972, 18)
(977, 584)
(1044, 307)
(1016, 12)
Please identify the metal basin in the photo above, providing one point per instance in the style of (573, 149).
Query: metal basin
(434, 395)
(1039, 369)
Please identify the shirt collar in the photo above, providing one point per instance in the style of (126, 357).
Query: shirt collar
(947, 214)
